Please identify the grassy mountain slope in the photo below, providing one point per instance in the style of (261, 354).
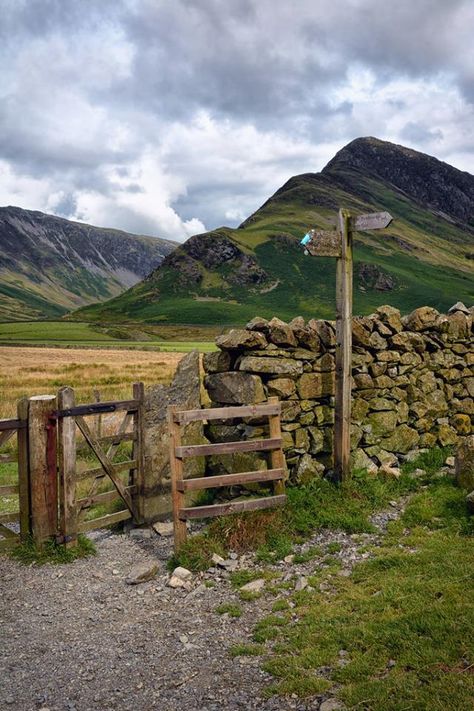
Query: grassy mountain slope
(229, 275)
(49, 265)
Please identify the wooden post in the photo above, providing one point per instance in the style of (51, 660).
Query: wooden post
(277, 459)
(23, 471)
(176, 465)
(342, 425)
(67, 469)
(139, 454)
(42, 465)
(97, 398)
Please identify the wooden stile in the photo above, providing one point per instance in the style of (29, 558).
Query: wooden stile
(276, 475)
(67, 469)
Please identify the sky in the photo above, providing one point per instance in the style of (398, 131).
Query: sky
(171, 117)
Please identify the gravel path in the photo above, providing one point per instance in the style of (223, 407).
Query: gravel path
(78, 638)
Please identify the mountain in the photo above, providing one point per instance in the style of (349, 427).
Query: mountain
(49, 265)
(425, 256)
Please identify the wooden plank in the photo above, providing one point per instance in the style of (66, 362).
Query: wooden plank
(370, 221)
(324, 243)
(42, 467)
(342, 422)
(139, 477)
(251, 445)
(226, 413)
(7, 532)
(277, 458)
(109, 439)
(6, 425)
(176, 466)
(104, 498)
(9, 516)
(23, 470)
(213, 482)
(8, 458)
(103, 521)
(99, 473)
(97, 408)
(7, 435)
(105, 462)
(231, 507)
(5, 490)
(67, 459)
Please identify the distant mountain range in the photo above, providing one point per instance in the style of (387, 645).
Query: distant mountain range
(425, 257)
(50, 266)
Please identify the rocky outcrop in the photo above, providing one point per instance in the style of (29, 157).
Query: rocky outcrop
(413, 385)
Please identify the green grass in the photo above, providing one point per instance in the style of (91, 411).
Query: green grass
(70, 334)
(52, 552)
(229, 608)
(405, 618)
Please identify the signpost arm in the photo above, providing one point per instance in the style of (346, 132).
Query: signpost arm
(342, 425)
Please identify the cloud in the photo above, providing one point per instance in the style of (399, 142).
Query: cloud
(172, 117)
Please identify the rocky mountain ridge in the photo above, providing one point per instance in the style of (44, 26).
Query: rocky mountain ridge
(227, 275)
(50, 265)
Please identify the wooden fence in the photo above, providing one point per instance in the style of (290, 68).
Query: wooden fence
(58, 495)
(178, 452)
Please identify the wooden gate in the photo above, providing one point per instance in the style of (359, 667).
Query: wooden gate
(178, 452)
(74, 505)
(14, 503)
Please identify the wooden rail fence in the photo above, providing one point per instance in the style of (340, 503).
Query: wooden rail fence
(178, 452)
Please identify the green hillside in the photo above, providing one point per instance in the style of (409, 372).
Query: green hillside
(229, 275)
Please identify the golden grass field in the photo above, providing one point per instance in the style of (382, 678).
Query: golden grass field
(39, 371)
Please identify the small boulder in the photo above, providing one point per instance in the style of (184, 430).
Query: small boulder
(254, 586)
(163, 528)
(240, 338)
(459, 306)
(280, 333)
(464, 464)
(180, 578)
(142, 573)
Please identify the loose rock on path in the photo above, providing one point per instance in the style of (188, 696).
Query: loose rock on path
(88, 636)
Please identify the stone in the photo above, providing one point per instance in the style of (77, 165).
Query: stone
(315, 385)
(447, 435)
(456, 326)
(402, 440)
(180, 578)
(163, 528)
(464, 464)
(461, 423)
(421, 319)
(254, 586)
(217, 559)
(390, 316)
(257, 324)
(360, 408)
(308, 469)
(382, 422)
(216, 362)
(383, 456)
(382, 403)
(325, 331)
(459, 306)
(140, 534)
(389, 356)
(331, 705)
(280, 333)
(301, 439)
(324, 364)
(389, 472)
(301, 583)
(377, 342)
(142, 573)
(281, 387)
(290, 410)
(316, 440)
(362, 381)
(270, 365)
(408, 341)
(470, 503)
(307, 418)
(241, 338)
(234, 388)
(360, 335)
(360, 460)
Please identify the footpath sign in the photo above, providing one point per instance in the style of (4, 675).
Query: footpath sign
(338, 243)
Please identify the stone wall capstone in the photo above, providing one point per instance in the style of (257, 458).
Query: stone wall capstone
(412, 386)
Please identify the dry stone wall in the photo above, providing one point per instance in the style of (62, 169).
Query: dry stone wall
(412, 386)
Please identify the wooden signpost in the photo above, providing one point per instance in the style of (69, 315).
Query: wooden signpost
(338, 243)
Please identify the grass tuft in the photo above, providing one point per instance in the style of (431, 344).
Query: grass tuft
(52, 552)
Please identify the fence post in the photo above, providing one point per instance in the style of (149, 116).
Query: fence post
(140, 479)
(67, 469)
(43, 467)
(23, 471)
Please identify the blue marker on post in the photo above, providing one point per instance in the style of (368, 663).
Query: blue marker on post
(306, 239)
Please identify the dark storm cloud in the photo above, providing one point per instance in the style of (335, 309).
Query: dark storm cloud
(228, 97)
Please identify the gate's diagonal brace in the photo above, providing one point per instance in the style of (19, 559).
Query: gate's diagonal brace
(105, 463)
